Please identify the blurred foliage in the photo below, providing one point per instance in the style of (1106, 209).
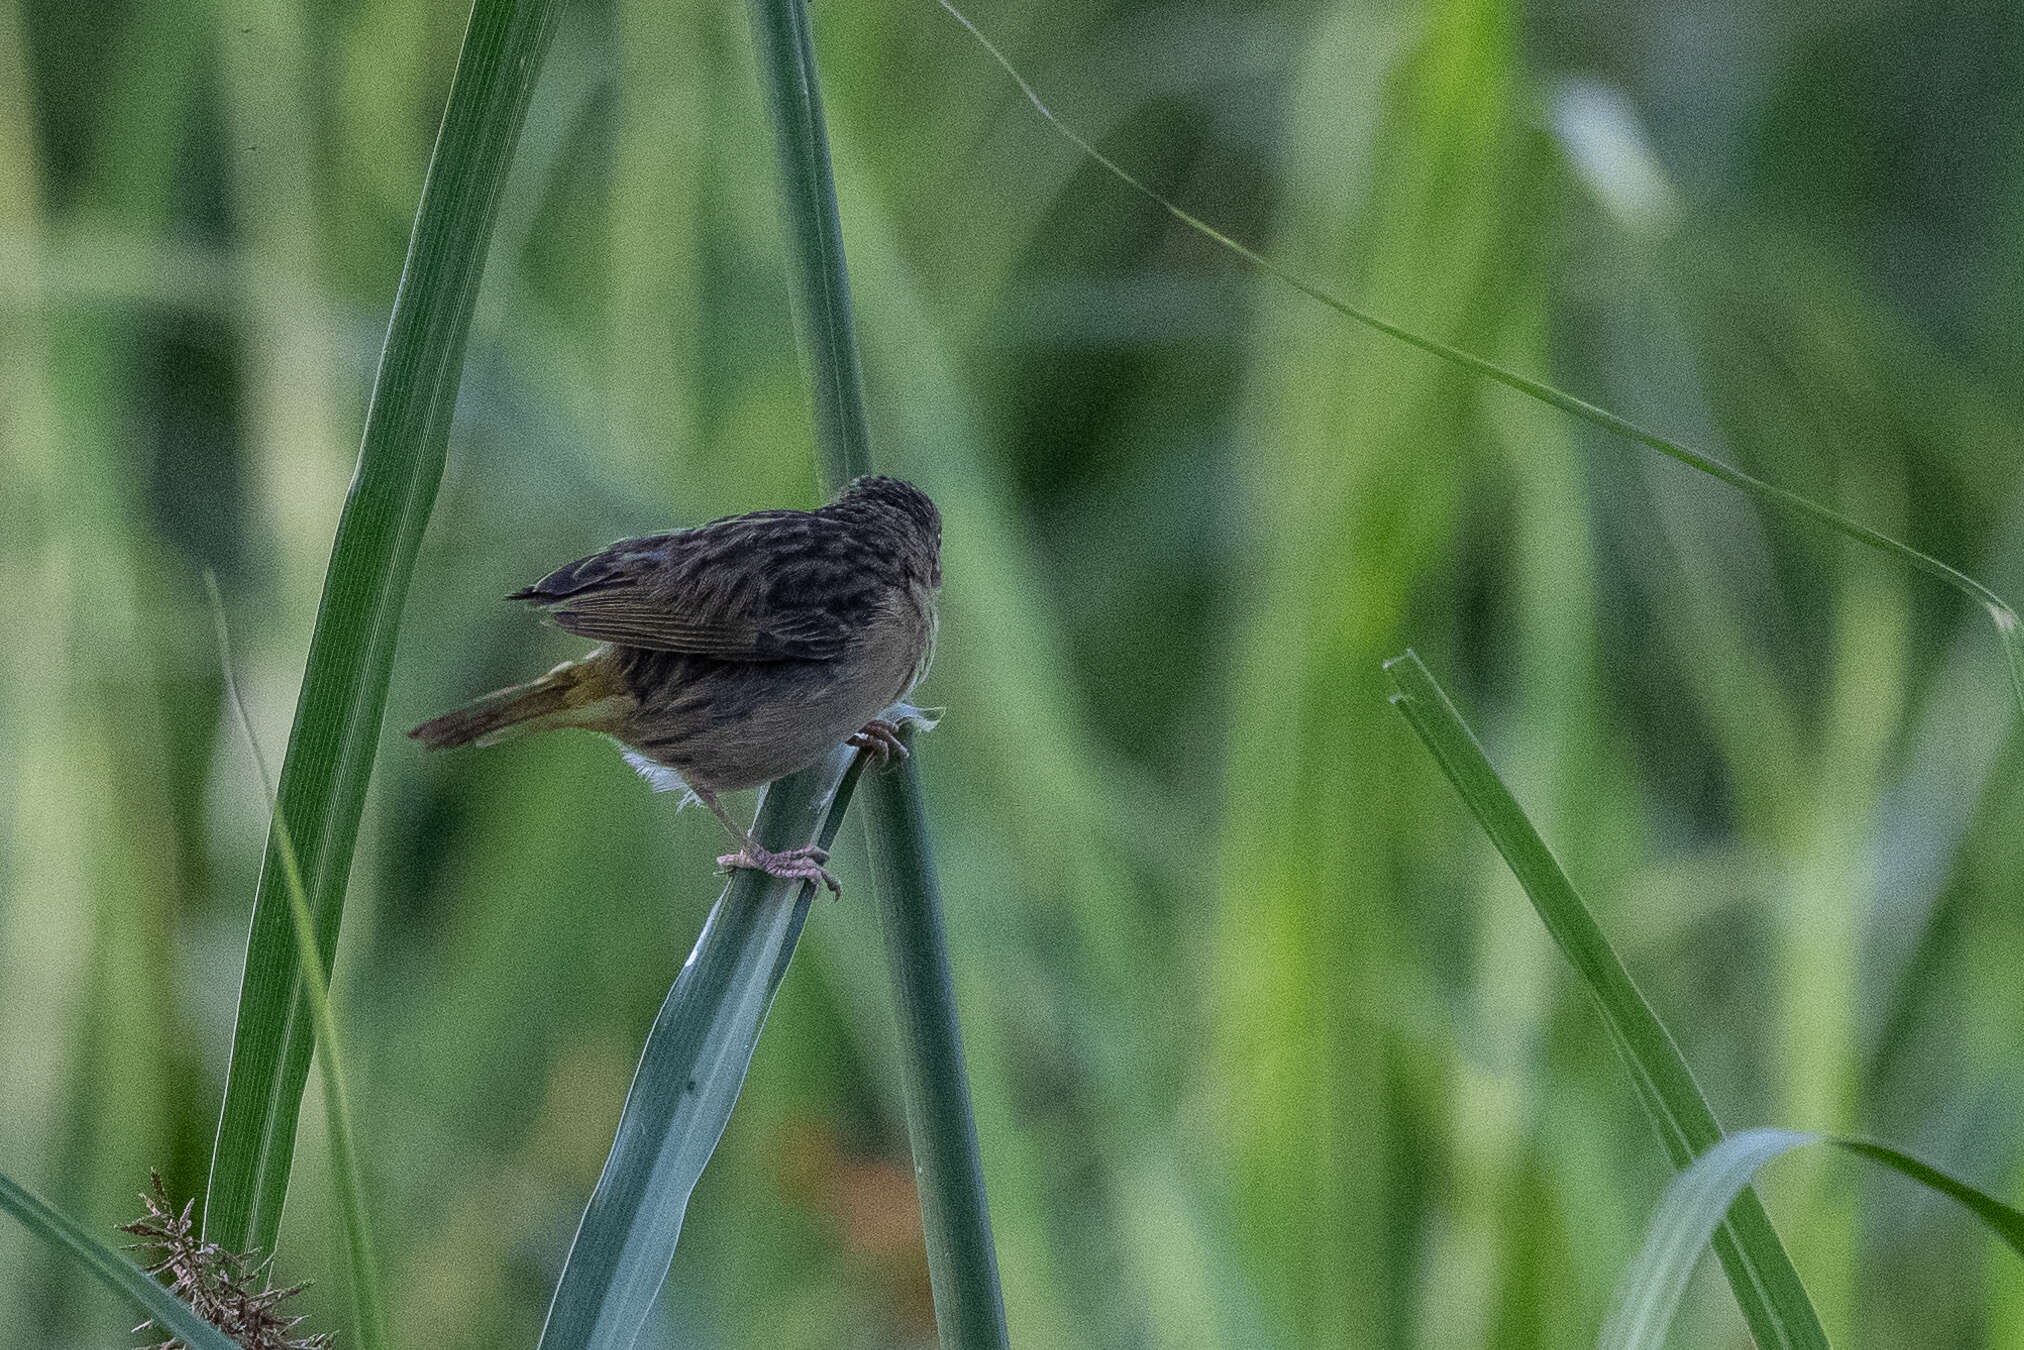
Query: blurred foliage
(1266, 1047)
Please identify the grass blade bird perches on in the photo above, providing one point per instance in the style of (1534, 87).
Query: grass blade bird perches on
(689, 1075)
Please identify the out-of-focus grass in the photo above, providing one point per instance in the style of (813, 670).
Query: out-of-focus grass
(1179, 507)
(1360, 485)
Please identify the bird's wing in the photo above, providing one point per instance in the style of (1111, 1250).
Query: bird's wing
(724, 589)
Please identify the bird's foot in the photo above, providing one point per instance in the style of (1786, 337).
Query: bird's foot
(880, 741)
(794, 864)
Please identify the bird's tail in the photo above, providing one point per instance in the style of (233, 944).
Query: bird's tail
(574, 694)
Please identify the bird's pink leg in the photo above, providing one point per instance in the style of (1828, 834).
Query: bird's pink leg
(880, 741)
(793, 864)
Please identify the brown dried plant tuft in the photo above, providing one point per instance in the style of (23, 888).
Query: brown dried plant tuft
(227, 1289)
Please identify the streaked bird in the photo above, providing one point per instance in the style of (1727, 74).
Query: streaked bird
(739, 651)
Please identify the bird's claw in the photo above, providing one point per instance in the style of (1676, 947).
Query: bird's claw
(794, 864)
(880, 741)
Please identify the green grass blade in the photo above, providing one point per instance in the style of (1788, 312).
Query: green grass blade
(338, 712)
(1773, 1300)
(1999, 610)
(111, 1269)
(955, 1220)
(962, 1259)
(368, 1304)
(818, 288)
(689, 1075)
(1694, 1203)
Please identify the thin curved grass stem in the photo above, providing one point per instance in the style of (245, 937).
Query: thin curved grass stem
(368, 1305)
(1999, 610)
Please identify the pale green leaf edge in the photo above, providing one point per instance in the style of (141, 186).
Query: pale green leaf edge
(1649, 1294)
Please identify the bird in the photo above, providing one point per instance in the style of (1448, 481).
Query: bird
(739, 651)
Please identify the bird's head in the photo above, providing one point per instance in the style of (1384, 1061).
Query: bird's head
(903, 506)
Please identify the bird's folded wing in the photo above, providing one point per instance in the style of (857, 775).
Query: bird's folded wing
(697, 591)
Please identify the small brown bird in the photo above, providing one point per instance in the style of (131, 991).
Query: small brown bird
(739, 651)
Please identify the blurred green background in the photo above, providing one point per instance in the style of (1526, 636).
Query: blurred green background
(1267, 1048)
